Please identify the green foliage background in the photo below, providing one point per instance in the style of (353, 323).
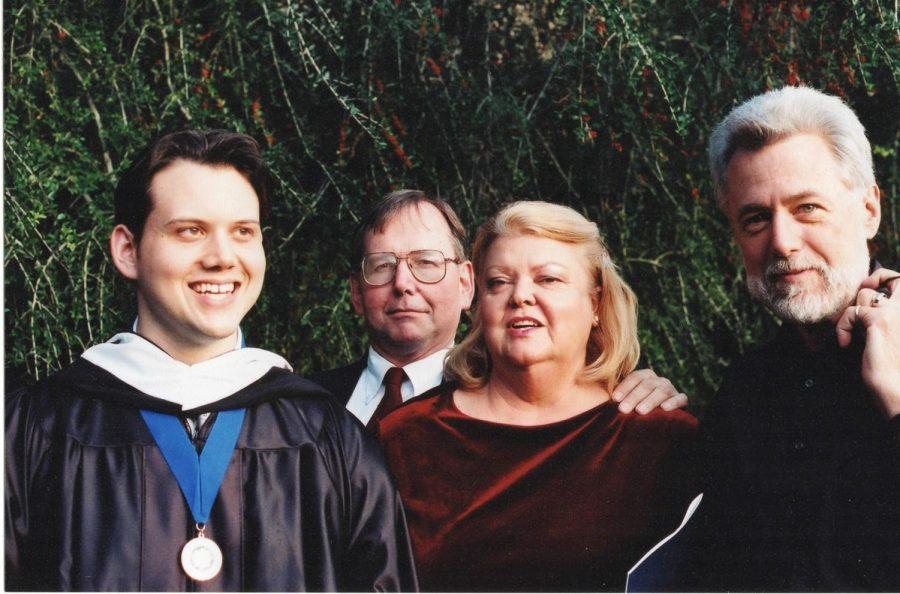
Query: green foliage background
(605, 106)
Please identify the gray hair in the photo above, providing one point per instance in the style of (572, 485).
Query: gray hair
(775, 115)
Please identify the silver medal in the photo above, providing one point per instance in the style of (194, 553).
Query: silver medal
(201, 558)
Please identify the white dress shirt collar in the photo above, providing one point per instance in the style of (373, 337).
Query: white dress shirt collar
(421, 376)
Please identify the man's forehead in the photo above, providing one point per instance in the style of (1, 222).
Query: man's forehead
(414, 227)
(797, 165)
(184, 187)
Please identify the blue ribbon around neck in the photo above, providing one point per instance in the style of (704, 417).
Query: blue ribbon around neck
(198, 476)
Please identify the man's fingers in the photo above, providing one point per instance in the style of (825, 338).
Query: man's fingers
(873, 294)
(653, 400)
(636, 396)
(643, 391)
(648, 395)
(866, 297)
(870, 297)
(631, 381)
(679, 400)
(883, 278)
(846, 322)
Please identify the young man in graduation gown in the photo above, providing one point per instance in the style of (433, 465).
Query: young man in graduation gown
(171, 458)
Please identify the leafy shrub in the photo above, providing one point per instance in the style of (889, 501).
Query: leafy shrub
(603, 106)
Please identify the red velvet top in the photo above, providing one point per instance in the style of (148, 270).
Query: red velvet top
(568, 506)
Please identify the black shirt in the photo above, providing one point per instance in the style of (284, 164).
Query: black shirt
(803, 475)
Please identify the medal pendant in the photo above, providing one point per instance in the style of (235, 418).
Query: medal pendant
(201, 558)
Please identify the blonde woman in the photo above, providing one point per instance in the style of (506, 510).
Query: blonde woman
(520, 473)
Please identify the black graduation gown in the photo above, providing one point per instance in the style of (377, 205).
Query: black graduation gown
(306, 502)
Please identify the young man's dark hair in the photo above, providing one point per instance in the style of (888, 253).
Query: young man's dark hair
(208, 147)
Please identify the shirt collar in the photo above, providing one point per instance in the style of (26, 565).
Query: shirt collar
(423, 374)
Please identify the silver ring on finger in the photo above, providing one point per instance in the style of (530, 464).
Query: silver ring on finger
(876, 300)
(856, 311)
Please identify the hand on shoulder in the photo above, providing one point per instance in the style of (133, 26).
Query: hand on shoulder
(643, 391)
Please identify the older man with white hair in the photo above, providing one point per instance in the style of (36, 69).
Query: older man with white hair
(804, 436)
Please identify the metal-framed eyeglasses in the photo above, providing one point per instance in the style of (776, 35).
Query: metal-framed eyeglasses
(426, 266)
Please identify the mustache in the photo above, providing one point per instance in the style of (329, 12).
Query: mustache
(786, 266)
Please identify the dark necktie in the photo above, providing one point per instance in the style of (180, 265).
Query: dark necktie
(392, 398)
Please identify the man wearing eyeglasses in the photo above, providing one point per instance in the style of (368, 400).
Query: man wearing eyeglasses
(412, 285)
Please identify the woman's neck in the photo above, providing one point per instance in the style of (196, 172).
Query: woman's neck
(536, 395)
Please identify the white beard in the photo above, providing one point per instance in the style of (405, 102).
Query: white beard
(802, 305)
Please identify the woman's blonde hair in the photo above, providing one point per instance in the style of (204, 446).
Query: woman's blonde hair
(613, 348)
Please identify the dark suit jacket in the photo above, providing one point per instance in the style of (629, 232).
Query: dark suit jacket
(342, 380)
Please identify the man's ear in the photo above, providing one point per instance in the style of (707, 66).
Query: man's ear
(123, 249)
(872, 204)
(466, 284)
(356, 297)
